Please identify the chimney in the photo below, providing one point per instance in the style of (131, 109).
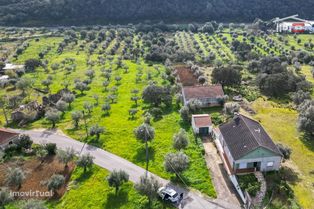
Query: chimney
(236, 118)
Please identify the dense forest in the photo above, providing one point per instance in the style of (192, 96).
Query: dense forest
(75, 12)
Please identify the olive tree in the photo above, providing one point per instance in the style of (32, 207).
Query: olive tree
(34, 204)
(15, 177)
(148, 186)
(41, 153)
(106, 108)
(80, 86)
(180, 140)
(55, 182)
(76, 117)
(96, 130)
(62, 106)
(306, 117)
(5, 197)
(176, 163)
(68, 98)
(88, 106)
(53, 115)
(117, 178)
(24, 84)
(85, 161)
(65, 156)
(145, 133)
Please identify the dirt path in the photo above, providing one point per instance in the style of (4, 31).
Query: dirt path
(220, 178)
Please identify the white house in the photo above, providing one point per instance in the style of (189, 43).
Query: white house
(247, 147)
(293, 24)
(202, 124)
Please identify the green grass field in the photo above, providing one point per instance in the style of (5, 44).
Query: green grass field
(118, 137)
(280, 123)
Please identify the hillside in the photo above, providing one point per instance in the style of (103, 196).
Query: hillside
(75, 12)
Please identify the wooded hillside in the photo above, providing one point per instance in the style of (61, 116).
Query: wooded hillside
(49, 12)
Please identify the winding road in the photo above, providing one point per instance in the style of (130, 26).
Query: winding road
(192, 199)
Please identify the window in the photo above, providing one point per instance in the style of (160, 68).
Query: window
(270, 164)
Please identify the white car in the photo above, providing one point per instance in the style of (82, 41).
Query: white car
(169, 194)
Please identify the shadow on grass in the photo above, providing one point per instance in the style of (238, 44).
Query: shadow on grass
(182, 181)
(290, 175)
(308, 141)
(96, 143)
(116, 200)
(141, 154)
(85, 176)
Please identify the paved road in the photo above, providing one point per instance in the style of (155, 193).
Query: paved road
(109, 161)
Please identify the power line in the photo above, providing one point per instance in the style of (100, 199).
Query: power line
(183, 181)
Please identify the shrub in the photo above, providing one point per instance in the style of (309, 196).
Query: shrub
(285, 150)
(55, 182)
(231, 108)
(249, 182)
(51, 148)
(156, 112)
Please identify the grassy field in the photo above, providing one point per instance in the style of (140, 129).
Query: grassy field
(280, 123)
(119, 138)
(91, 190)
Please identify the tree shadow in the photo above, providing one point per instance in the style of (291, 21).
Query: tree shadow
(308, 141)
(174, 179)
(85, 176)
(116, 200)
(94, 142)
(141, 154)
(289, 175)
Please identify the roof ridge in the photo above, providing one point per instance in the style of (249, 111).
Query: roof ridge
(250, 129)
(258, 141)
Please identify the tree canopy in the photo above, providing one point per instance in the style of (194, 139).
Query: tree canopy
(120, 11)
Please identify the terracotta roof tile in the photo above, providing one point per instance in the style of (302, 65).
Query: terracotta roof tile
(6, 135)
(201, 92)
(202, 120)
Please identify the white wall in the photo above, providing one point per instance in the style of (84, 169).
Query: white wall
(264, 161)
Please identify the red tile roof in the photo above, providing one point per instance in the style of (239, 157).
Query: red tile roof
(203, 120)
(6, 135)
(201, 92)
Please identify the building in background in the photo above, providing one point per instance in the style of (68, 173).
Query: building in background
(293, 24)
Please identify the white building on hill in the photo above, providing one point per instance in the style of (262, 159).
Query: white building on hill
(293, 24)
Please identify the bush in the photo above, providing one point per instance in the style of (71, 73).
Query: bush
(217, 118)
(249, 183)
(231, 108)
(23, 142)
(51, 148)
(286, 151)
(156, 113)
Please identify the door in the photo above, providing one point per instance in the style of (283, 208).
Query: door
(257, 165)
(203, 131)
